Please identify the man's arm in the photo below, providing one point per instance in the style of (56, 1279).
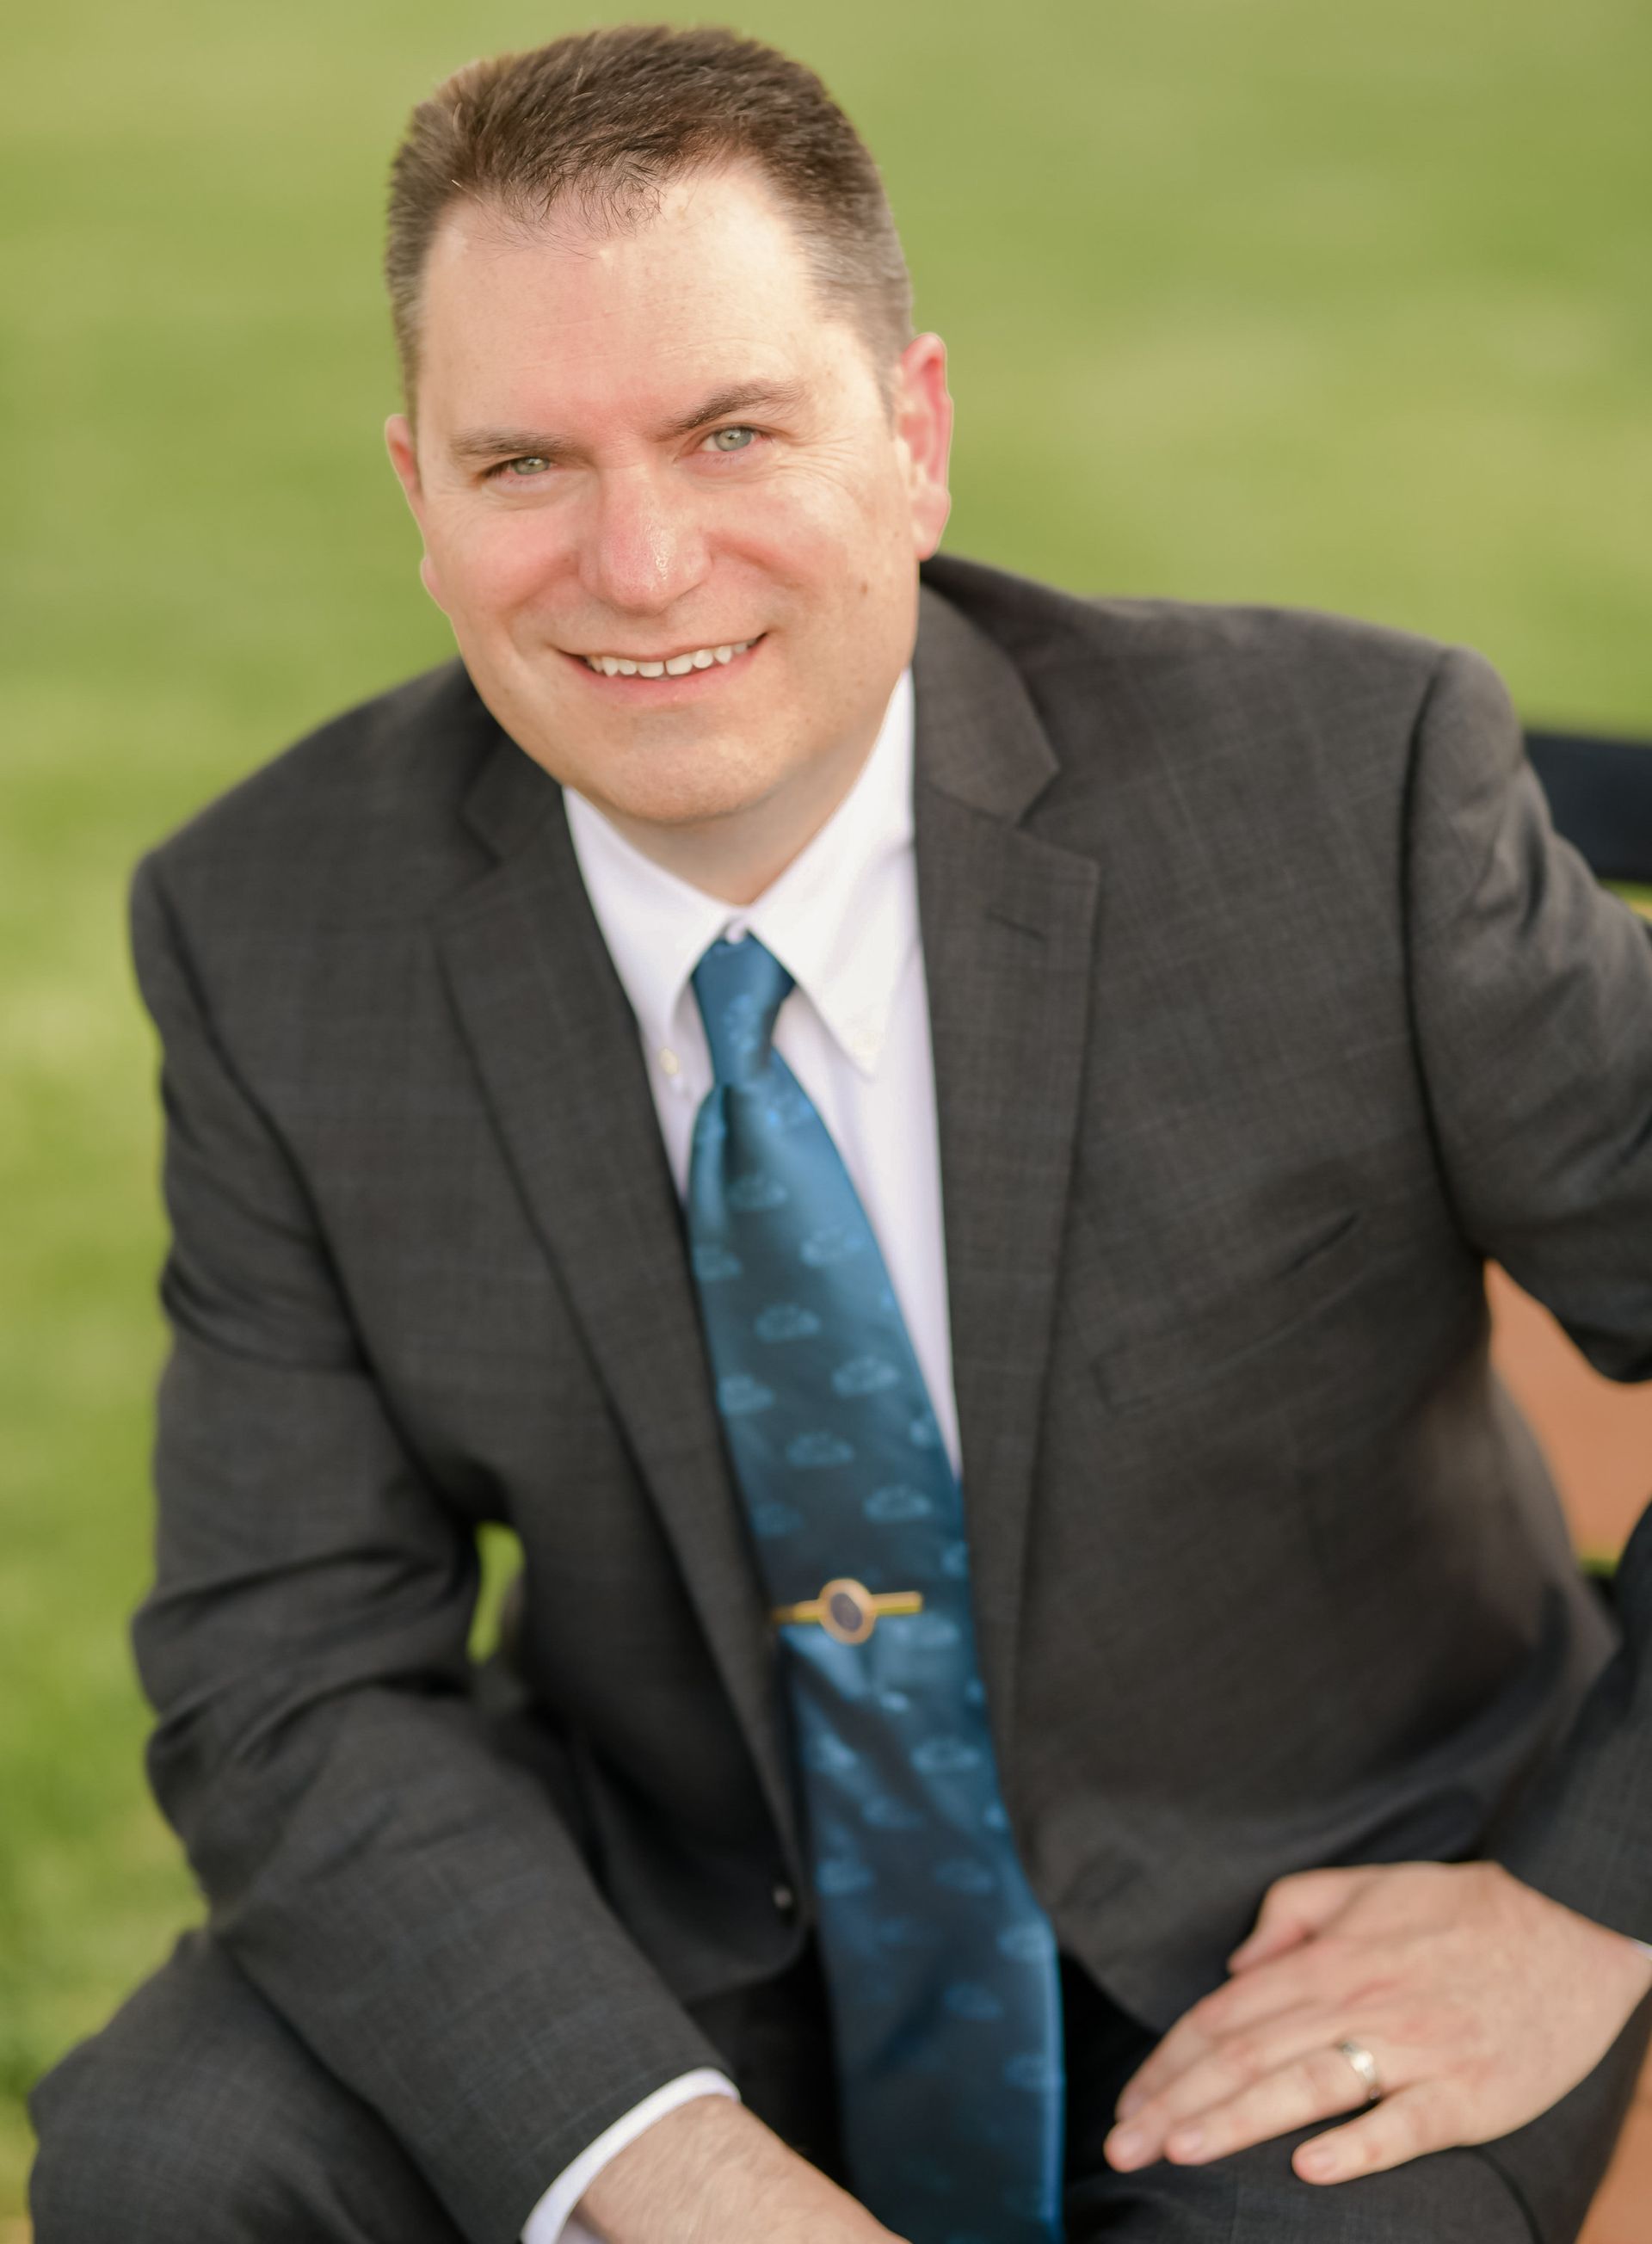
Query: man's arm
(1485, 1991)
(1534, 1017)
(402, 1894)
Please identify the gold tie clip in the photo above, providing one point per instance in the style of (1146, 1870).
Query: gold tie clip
(848, 1611)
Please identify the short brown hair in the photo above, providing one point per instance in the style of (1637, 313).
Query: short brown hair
(607, 119)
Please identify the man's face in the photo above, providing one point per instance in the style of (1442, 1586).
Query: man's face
(655, 445)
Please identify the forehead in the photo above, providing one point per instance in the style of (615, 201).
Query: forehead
(714, 287)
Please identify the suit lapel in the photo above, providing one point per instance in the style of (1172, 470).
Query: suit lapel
(1006, 920)
(1007, 924)
(555, 1043)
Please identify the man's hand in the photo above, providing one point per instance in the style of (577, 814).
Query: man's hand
(710, 2173)
(1481, 2001)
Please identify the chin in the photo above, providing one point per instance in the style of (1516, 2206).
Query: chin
(696, 793)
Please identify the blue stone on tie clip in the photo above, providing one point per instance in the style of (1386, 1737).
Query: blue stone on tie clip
(846, 1608)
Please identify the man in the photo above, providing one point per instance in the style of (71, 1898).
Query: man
(629, 1084)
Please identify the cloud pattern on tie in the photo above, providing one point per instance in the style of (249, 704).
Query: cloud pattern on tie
(942, 1968)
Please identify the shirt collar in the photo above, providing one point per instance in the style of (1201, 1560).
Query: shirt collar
(842, 918)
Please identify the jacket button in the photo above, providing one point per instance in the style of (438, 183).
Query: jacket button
(784, 1899)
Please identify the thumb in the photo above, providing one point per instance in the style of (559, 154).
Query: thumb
(1293, 1909)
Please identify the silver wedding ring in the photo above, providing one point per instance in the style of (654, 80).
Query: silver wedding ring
(1365, 2065)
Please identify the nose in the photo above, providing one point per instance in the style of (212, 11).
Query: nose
(642, 548)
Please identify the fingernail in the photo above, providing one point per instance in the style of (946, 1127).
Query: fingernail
(1186, 2143)
(1131, 2100)
(1124, 2147)
(1318, 2162)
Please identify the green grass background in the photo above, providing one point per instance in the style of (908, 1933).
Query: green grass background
(1347, 304)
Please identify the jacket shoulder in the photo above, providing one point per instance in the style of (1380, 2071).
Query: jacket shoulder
(1295, 659)
(1278, 739)
(358, 820)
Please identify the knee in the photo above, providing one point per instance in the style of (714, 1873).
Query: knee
(109, 2161)
(176, 2120)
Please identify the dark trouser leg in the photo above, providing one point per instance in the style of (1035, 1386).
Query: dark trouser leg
(197, 2112)
(1530, 2187)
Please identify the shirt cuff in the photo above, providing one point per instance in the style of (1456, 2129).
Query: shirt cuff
(550, 2219)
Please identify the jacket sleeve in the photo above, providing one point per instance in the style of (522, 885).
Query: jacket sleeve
(1531, 990)
(402, 1894)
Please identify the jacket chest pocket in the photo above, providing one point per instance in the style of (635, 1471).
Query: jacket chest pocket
(1234, 1331)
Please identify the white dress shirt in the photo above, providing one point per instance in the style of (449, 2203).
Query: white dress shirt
(843, 920)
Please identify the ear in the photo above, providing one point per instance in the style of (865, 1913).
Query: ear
(923, 433)
(405, 458)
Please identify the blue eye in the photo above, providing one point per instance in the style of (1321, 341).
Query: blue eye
(731, 440)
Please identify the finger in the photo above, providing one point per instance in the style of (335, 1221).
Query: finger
(1238, 2006)
(1237, 2068)
(1181, 2048)
(1315, 2084)
(1238, 2062)
(1293, 1909)
(1403, 2127)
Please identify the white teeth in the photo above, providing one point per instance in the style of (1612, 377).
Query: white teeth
(620, 666)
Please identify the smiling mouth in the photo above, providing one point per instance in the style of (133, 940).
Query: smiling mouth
(672, 666)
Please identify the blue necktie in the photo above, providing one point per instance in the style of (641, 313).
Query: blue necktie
(941, 1967)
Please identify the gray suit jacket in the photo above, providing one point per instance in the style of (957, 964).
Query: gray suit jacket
(1265, 1005)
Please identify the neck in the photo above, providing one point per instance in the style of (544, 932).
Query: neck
(735, 857)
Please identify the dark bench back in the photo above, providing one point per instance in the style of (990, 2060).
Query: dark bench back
(1599, 793)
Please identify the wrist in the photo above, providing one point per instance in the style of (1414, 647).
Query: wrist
(711, 2172)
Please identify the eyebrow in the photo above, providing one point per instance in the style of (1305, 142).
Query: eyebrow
(478, 445)
(780, 397)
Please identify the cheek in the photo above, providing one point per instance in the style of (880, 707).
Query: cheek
(859, 546)
(493, 568)
(838, 545)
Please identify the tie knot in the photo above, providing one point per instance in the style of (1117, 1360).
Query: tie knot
(740, 987)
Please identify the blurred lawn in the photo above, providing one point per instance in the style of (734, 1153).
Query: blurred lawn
(1248, 298)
